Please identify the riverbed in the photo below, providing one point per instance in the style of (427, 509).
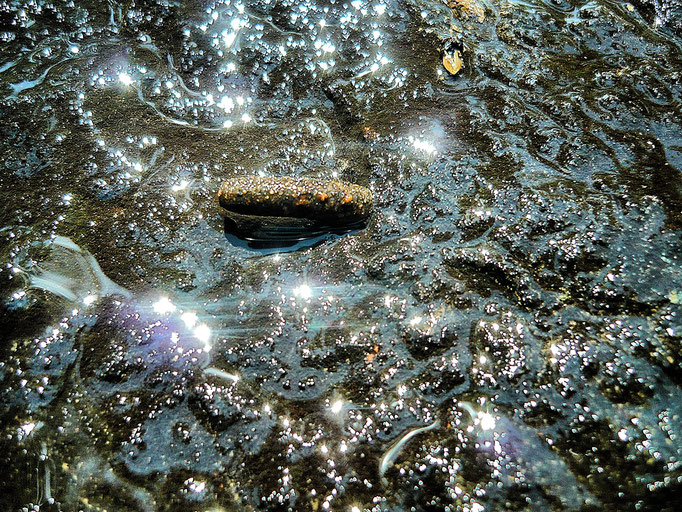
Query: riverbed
(504, 333)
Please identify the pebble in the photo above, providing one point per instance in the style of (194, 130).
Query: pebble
(330, 202)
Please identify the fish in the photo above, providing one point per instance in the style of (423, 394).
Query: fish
(396, 448)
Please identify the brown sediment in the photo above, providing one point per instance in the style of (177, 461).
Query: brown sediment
(471, 8)
(331, 202)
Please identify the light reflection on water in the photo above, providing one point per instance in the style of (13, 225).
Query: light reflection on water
(503, 334)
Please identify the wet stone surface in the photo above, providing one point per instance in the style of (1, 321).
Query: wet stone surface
(504, 334)
(333, 201)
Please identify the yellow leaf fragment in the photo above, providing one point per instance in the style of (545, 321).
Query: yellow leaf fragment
(453, 62)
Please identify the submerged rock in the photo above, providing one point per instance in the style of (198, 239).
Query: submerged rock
(329, 202)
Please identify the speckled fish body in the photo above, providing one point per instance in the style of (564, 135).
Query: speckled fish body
(328, 202)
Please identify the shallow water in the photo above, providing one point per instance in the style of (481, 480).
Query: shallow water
(505, 333)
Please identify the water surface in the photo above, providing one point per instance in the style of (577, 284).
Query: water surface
(505, 333)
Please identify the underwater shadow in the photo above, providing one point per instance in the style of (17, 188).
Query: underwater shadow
(269, 235)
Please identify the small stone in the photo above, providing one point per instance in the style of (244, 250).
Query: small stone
(331, 202)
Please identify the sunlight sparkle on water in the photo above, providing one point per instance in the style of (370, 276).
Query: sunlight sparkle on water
(236, 23)
(189, 318)
(226, 104)
(337, 406)
(422, 145)
(164, 306)
(181, 186)
(28, 428)
(228, 38)
(303, 291)
(416, 320)
(487, 421)
(125, 78)
(278, 88)
(203, 333)
(197, 486)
